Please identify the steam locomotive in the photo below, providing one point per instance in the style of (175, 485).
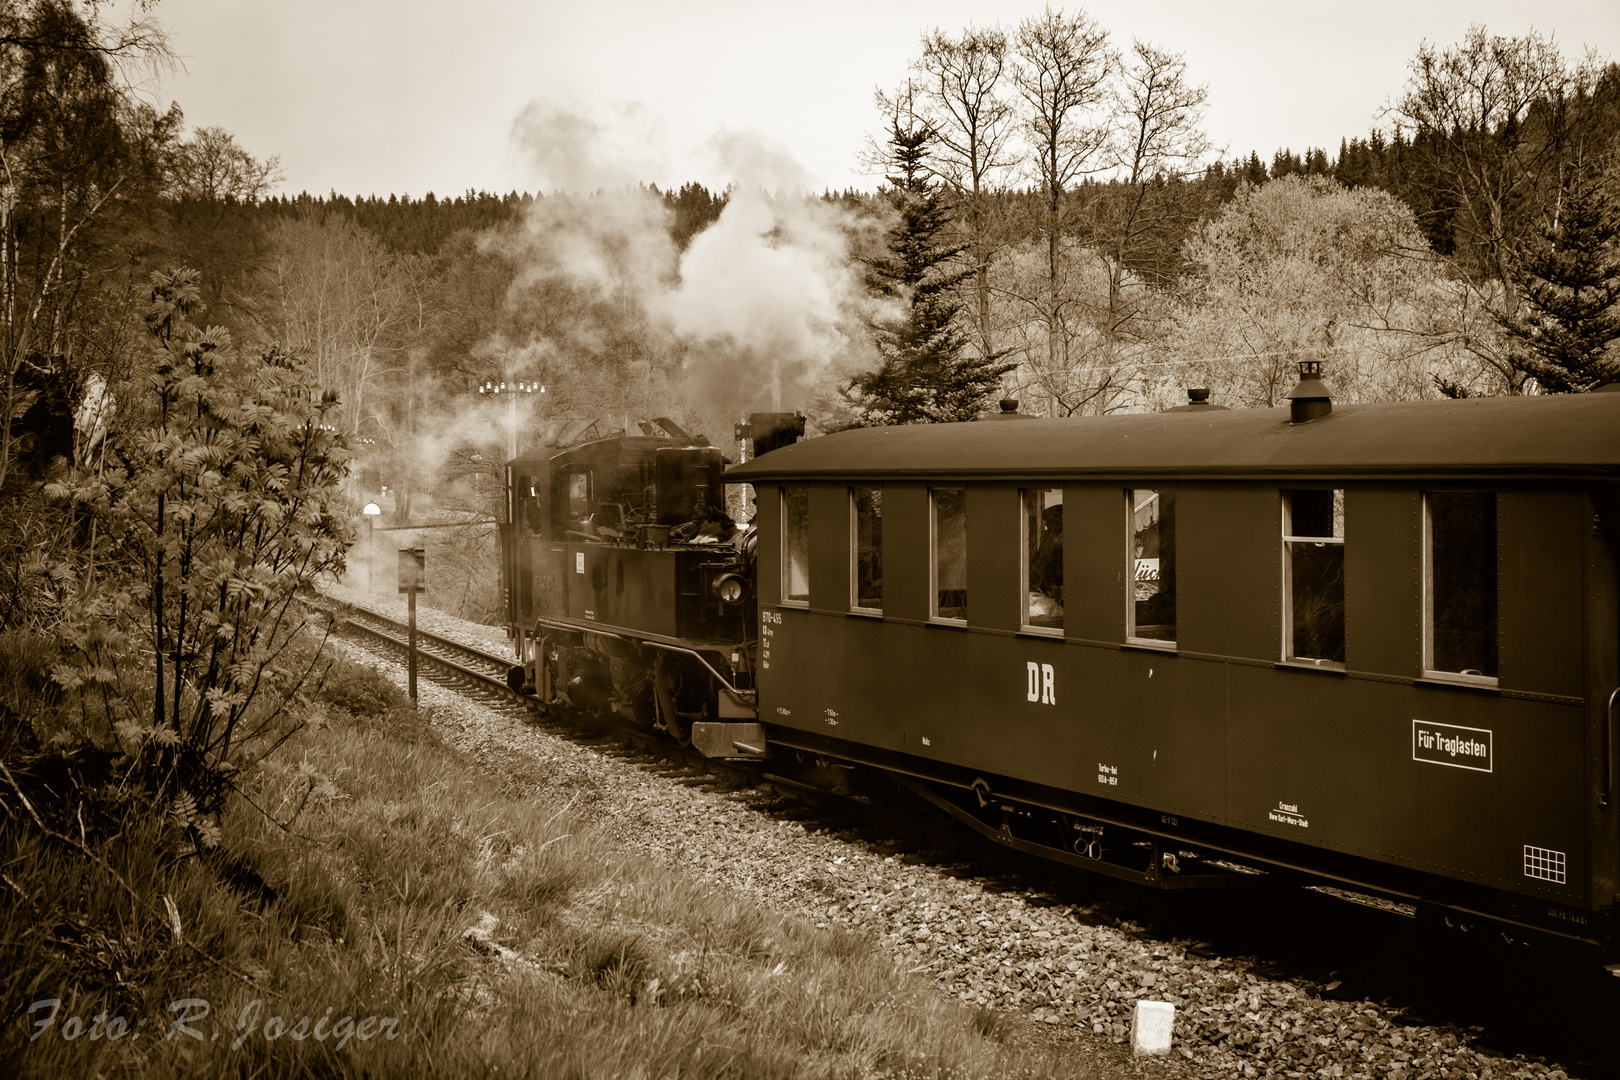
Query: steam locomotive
(1375, 646)
(630, 588)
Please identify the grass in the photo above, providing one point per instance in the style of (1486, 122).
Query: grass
(418, 917)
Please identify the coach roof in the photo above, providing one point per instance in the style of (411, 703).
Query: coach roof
(1565, 435)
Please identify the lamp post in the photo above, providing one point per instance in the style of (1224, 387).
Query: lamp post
(511, 390)
(371, 510)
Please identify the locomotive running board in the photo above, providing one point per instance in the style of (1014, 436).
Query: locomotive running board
(1153, 877)
(744, 698)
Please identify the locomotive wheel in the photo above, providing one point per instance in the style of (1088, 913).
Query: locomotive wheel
(667, 685)
(679, 730)
(644, 707)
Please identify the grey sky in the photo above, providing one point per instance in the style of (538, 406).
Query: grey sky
(365, 96)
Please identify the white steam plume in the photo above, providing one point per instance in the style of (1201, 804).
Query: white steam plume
(574, 152)
(765, 307)
(769, 297)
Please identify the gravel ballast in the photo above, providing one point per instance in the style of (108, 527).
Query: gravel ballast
(1065, 974)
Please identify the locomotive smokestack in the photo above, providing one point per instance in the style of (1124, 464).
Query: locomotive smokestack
(771, 431)
(1311, 399)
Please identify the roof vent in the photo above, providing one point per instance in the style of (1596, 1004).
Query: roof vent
(1311, 399)
(1198, 401)
(1009, 411)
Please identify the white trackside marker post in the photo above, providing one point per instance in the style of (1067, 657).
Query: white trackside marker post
(1151, 1027)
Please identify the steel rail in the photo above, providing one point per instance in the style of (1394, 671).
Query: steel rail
(604, 725)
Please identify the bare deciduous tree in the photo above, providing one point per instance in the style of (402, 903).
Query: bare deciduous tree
(1302, 269)
(66, 162)
(212, 166)
(960, 91)
(1063, 66)
(1494, 121)
(340, 299)
(212, 184)
(1159, 143)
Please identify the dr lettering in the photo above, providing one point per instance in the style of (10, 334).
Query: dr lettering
(1042, 683)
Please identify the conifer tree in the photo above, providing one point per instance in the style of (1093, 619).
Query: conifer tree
(1254, 170)
(1569, 339)
(924, 376)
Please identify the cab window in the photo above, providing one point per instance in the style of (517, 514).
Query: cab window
(571, 498)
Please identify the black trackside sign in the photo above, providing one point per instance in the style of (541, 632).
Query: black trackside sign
(1445, 744)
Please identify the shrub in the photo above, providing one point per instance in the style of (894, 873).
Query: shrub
(177, 613)
(361, 690)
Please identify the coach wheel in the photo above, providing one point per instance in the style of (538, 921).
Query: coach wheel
(515, 678)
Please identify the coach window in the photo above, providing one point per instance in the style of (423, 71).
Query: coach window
(948, 544)
(1461, 580)
(1152, 523)
(796, 545)
(1043, 558)
(866, 537)
(1313, 576)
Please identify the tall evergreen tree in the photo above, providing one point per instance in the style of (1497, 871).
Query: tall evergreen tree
(1569, 339)
(924, 376)
(1254, 170)
(693, 208)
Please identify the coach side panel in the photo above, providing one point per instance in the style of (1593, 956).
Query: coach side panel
(1482, 783)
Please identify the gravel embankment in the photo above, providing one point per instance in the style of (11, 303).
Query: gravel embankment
(1075, 981)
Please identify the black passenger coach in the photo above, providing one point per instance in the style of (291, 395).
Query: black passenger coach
(1373, 644)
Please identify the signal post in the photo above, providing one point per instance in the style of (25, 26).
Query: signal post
(412, 564)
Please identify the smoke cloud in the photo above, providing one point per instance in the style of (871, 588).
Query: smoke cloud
(572, 152)
(764, 309)
(768, 300)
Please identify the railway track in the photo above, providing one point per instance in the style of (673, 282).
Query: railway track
(464, 666)
(1424, 973)
(481, 674)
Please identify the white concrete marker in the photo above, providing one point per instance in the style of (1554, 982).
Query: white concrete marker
(1151, 1027)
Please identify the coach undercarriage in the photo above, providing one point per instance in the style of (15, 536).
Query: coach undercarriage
(1166, 851)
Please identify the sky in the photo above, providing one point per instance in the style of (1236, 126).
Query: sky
(385, 97)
